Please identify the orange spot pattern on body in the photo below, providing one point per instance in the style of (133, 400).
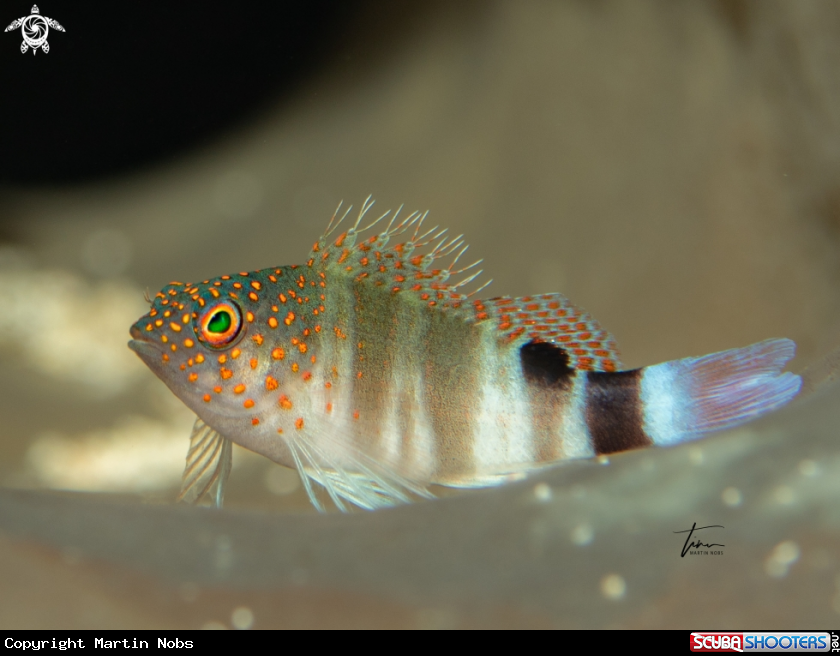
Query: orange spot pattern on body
(271, 383)
(225, 373)
(284, 402)
(299, 423)
(239, 388)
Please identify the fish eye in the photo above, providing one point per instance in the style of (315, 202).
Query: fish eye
(219, 324)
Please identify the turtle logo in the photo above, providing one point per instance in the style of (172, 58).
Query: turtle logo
(34, 29)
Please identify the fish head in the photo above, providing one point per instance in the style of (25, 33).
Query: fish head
(214, 344)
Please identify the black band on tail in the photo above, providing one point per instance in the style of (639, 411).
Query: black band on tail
(614, 411)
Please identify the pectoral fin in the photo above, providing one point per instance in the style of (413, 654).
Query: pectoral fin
(208, 466)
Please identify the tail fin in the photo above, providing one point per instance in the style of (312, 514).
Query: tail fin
(685, 399)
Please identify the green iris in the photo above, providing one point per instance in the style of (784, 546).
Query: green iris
(220, 322)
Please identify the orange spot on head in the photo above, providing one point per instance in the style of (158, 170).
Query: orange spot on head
(239, 389)
(329, 407)
(173, 347)
(355, 414)
(328, 384)
(253, 362)
(284, 402)
(302, 347)
(222, 359)
(207, 398)
(299, 423)
(272, 322)
(189, 343)
(307, 375)
(248, 403)
(253, 297)
(150, 327)
(258, 339)
(199, 358)
(256, 285)
(235, 353)
(295, 367)
(225, 373)
(358, 374)
(193, 377)
(164, 339)
(289, 318)
(255, 421)
(271, 383)
(218, 389)
(165, 358)
(278, 354)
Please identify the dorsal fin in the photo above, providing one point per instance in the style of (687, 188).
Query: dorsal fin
(552, 318)
(400, 268)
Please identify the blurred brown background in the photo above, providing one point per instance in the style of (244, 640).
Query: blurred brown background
(672, 167)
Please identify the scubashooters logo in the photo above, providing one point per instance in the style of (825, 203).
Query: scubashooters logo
(798, 641)
(34, 29)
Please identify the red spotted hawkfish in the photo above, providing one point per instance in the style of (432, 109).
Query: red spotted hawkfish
(371, 372)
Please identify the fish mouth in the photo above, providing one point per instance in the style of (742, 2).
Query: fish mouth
(145, 349)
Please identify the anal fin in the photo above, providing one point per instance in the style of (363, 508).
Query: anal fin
(208, 466)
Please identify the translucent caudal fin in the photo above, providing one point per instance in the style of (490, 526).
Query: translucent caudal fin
(685, 399)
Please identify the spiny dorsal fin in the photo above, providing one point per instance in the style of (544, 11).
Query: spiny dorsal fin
(552, 318)
(208, 466)
(400, 269)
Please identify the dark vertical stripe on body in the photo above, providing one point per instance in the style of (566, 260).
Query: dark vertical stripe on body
(614, 412)
(451, 376)
(550, 379)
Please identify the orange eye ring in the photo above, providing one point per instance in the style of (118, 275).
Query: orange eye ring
(219, 324)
